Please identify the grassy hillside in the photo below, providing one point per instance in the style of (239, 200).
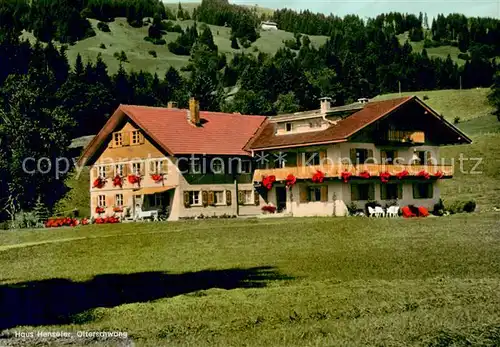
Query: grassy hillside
(465, 104)
(286, 282)
(437, 52)
(131, 40)
(190, 6)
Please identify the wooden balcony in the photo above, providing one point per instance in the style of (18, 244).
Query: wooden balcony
(403, 136)
(335, 171)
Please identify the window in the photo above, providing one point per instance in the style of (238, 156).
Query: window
(315, 124)
(246, 166)
(388, 156)
(419, 158)
(155, 200)
(136, 169)
(219, 198)
(362, 192)
(423, 190)
(249, 197)
(288, 127)
(101, 171)
(391, 191)
(136, 137)
(312, 158)
(101, 200)
(118, 139)
(119, 200)
(361, 155)
(217, 166)
(119, 170)
(314, 194)
(194, 198)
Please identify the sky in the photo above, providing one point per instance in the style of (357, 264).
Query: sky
(371, 8)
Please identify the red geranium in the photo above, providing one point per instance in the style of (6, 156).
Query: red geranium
(133, 179)
(61, 221)
(384, 176)
(290, 180)
(99, 182)
(117, 181)
(268, 181)
(402, 174)
(118, 209)
(318, 177)
(364, 174)
(346, 175)
(424, 174)
(268, 208)
(439, 174)
(99, 210)
(157, 178)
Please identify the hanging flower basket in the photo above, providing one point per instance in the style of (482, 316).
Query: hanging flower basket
(439, 174)
(99, 183)
(384, 176)
(346, 176)
(133, 179)
(318, 177)
(402, 174)
(118, 181)
(290, 180)
(268, 181)
(99, 210)
(424, 174)
(364, 174)
(158, 178)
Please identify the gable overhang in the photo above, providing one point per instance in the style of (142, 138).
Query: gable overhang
(297, 145)
(89, 153)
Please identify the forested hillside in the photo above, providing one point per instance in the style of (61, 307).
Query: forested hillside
(46, 99)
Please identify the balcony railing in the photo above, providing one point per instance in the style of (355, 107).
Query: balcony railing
(335, 171)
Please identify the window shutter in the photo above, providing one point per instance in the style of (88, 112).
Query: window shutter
(303, 193)
(354, 192)
(416, 194)
(371, 192)
(94, 173)
(186, 199)
(400, 191)
(324, 193)
(229, 201)
(143, 169)
(108, 171)
(211, 198)
(369, 156)
(141, 138)
(164, 166)
(126, 138)
(256, 197)
(299, 159)
(126, 169)
(430, 190)
(383, 192)
(428, 156)
(322, 156)
(353, 156)
(204, 198)
(241, 197)
(152, 166)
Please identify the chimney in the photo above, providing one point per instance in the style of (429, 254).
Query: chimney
(194, 111)
(172, 104)
(325, 103)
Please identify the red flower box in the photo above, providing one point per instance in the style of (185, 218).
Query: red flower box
(439, 174)
(99, 183)
(99, 210)
(318, 177)
(118, 209)
(118, 181)
(269, 208)
(424, 174)
(133, 179)
(268, 181)
(346, 176)
(157, 178)
(384, 176)
(364, 174)
(402, 174)
(290, 180)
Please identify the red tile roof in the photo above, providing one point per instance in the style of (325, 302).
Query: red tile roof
(373, 111)
(220, 133)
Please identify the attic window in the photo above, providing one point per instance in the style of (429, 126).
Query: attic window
(288, 127)
(118, 139)
(135, 137)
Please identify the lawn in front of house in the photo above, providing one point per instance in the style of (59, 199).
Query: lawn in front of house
(293, 282)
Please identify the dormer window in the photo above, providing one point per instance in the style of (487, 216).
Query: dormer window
(135, 137)
(118, 139)
(288, 127)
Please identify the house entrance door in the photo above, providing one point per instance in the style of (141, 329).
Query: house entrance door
(280, 199)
